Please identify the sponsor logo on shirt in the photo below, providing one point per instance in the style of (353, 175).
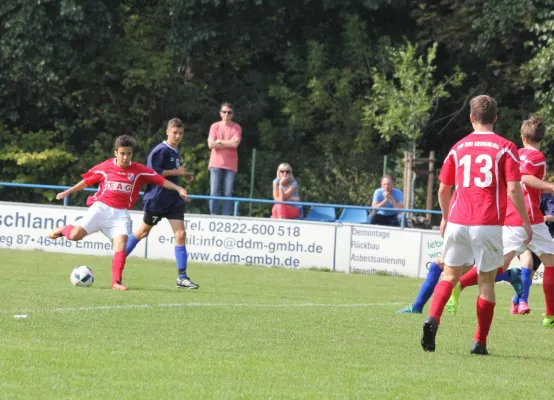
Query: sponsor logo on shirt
(119, 187)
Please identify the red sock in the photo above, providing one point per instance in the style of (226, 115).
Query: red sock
(548, 289)
(485, 312)
(118, 263)
(442, 293)
(470, 278)
(66, 230)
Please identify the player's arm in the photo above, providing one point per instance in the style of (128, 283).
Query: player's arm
(445, 196)
(171, 186)
(536, 183)
(77, 188)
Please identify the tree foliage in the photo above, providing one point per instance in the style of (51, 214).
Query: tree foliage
(329, 86)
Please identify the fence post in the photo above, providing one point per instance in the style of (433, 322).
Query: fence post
(66, 201)
(385, 158)
(237, 205)
(252, 174)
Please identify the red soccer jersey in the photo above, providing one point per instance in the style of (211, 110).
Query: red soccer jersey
(479, 166)
(532, 163)
(119, 187)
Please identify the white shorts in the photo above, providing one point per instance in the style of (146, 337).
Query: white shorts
(110, 221)
(476, 244)
(541, 243)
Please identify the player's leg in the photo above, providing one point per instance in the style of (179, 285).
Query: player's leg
(456, 252)
(471, 279)
(487, 248)
(228, 183)
(486, 302)
(215, 189)
(426, 289)
(117, 228)
(513, 239)
(543, 246)
(91, 222)
(451, 276)
(520, 304)
(183, 280)
(118, 261)
(148, 222)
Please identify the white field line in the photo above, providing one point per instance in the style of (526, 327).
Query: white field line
(183, 305)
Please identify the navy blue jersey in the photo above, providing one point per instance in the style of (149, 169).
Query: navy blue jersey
(547, 208)
(156, 198)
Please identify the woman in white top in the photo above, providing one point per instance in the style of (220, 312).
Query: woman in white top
(285, 188)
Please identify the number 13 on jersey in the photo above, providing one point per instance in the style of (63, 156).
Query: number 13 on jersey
(484, 162)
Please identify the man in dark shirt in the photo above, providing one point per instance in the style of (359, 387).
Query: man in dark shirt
(160, 203)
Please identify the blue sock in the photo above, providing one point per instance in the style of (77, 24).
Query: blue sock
(504, 276)
(181, 260)
(132, 242)
(527, 280)
(426, 289)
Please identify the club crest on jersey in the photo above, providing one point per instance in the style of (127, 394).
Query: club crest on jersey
(131, 177)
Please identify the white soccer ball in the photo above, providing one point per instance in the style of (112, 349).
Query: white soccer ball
(82, 276)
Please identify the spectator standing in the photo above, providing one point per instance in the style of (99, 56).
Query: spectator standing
(223, 140)
(387, 197)
(285, 188)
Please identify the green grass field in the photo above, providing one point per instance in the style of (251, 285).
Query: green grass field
(249, 333)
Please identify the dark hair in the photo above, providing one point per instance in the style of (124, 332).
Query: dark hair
(483, 109)
(175, 123)
(124, 141)
(533, 129)
(227, 105)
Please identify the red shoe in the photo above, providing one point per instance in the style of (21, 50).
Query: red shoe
(515, 309)
(119, 286)
(524, 308)
(56, 234)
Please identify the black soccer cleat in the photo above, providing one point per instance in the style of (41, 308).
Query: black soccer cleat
(186, 283)
(478, 348)
(429, 332)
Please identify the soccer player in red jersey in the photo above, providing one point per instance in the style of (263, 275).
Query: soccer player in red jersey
(120, 180)
(533, 173)
(483, 167)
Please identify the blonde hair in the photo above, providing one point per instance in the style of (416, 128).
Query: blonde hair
(285, 166)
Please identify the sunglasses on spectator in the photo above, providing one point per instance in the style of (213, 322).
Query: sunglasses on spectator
(287, 171)
(226, 112)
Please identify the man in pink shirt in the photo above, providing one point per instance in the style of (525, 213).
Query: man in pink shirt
(224, 139)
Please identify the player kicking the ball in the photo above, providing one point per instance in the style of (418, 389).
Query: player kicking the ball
(120, 181)
(484, 169)
(533, 172)
(160, 203)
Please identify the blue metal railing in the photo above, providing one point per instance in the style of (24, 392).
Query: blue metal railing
(237, 200)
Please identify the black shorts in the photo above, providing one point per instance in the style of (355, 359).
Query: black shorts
(152, 218)
(536, 261)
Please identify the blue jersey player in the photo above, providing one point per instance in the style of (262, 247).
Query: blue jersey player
(160, 203)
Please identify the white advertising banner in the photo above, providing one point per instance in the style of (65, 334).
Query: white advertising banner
(250, 241)
(431, 249)
(377, 249)
(27, 226)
